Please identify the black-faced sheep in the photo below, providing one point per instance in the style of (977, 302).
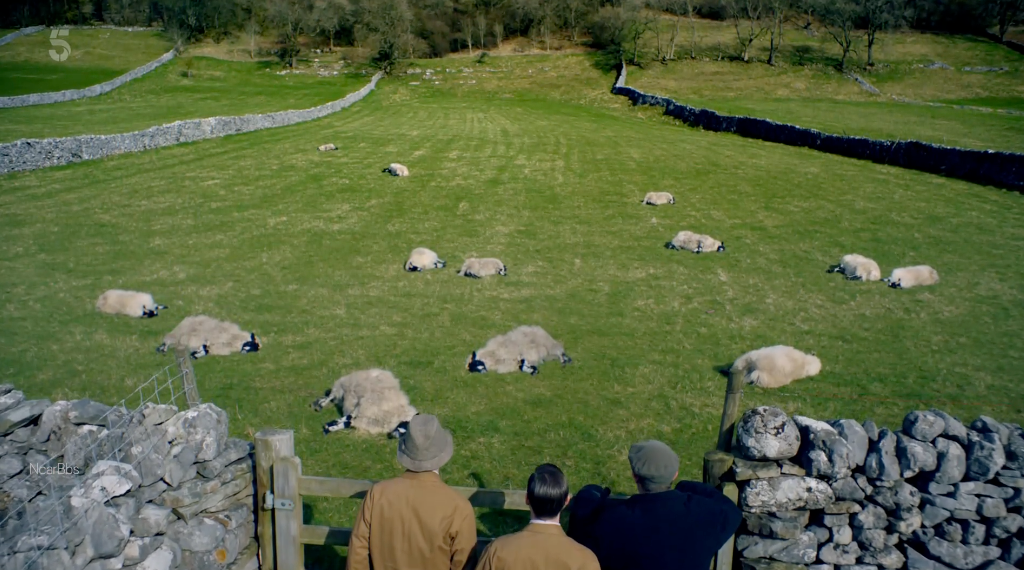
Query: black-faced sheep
(775, 366)
(395, 169)
(856, 267)
(477, 267)
(369, 400)
(914, 276)
(697, 243)
(202, 335)
(658, 198)
(523, 349)
(131, 303)
(422, 258)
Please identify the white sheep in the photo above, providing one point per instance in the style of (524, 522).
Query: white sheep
(914, 276)
(775, 366)
(326, 147)
(369, 400)
(422, 258)
(477, 267)
(395, 169)
(131, 303)
(658, 198)
(697, 243)
(202, 335)
(856, 267)
(523, 349)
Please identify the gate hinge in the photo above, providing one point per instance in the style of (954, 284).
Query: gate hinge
(270, 503)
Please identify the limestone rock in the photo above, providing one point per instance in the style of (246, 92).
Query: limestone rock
(985, 424)
(923, 426)
(881, 462)
(139, 549)
(198, 535)
(985, 456)
(823, 453)
(952, 429)
(915, 456)
(839, 554)
(821, 533)
(991, 508)
(745, 470)
(785, 493)
(1005, 526)
(88, 412)
(974, 533)
(767, 434)
(887, 557)
(950, 532)
(917, 561)
(151, 520)
(801, 550)
(932, 515)
(1014, 450)
(846, 489)
(951, 462)
(842, 535)
(872, 539)
(843, 508)
(233, 451)
(21, 414)
(856, 437)
(871, 430)
(872, 517)
(205, 427)
(770, 526)
(960, 556)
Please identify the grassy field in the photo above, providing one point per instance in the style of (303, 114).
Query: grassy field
(535, 163)
(167, 94)
(96, 56)
(805, 89)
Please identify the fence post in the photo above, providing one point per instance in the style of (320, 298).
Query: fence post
(188, 376)
(723, 561)
(733, 391)
(271, 445)
(288, 518)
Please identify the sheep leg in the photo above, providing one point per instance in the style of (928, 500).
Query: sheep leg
(564, 358)
(160, 307)
(528, 368)
(399, 430)
(338, 424)
(321, 403)
(853, 278)
(440, 264)
(835, 269)
(148, 313)
(471, 275)
(162, 349)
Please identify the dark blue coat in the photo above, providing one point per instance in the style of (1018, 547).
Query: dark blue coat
(681, 528)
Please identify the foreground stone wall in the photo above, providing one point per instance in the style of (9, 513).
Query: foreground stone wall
(181, 495)
(1002, 169)
(91, 91)
(29, 154)
(22, 32)
(933, 495)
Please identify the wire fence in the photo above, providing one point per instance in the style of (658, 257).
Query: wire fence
(37, 523)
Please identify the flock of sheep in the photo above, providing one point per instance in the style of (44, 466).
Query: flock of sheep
(373, 400)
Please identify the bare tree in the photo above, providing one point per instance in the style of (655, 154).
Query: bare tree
(329, 16)
(1008, 13)
(840, 18)
(882, 15)
(499, 33)
(778, 12)
(573, 14)
(467, 31)
(481, 27)
(388, 24)
(679, 9)
(289, 17)
(748, 18)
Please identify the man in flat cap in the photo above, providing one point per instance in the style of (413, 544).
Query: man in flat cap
(659, 527)
(415, 520)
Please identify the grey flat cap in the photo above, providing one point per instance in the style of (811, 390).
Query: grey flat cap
(654, 462)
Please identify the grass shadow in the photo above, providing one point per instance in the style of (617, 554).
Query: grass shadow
(804, 54)
(722, 369)
(320, 557)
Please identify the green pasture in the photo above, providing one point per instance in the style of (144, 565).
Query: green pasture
(532, 160)
(96, 56)
(169, 93)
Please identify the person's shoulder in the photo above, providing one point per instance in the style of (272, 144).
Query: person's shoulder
(581, 552)
(456, 497)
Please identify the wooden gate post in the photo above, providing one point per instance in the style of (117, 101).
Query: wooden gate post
(288, 513)
(272, 445)
(731, 409)
(188, 376)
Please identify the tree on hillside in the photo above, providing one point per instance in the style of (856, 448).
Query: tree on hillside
(879, 16)
(388, 24)
(289, 17)
(1007, 13)
(778, 12)
(840, 19)
(748, 19)
(330, 16)
(574, 14)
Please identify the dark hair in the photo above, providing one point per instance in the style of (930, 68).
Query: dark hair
(547, 491)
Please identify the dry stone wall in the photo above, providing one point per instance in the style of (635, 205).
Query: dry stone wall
(935, 494)
(181, 495)
(91, 91)
(22, 32)
(30, 154)
(1002, 169)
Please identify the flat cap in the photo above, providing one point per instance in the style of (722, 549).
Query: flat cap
(654, 462)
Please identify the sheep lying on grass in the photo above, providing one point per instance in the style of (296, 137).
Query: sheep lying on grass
(422, 258)
(697, 243)
(202, 335)
(915, 276)
(369, 400)
(482, 267)
(856, 267)
(131, 303)
(395, 169)
(658, 198)
(523, 349)
(775, 366)
(326, 147)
